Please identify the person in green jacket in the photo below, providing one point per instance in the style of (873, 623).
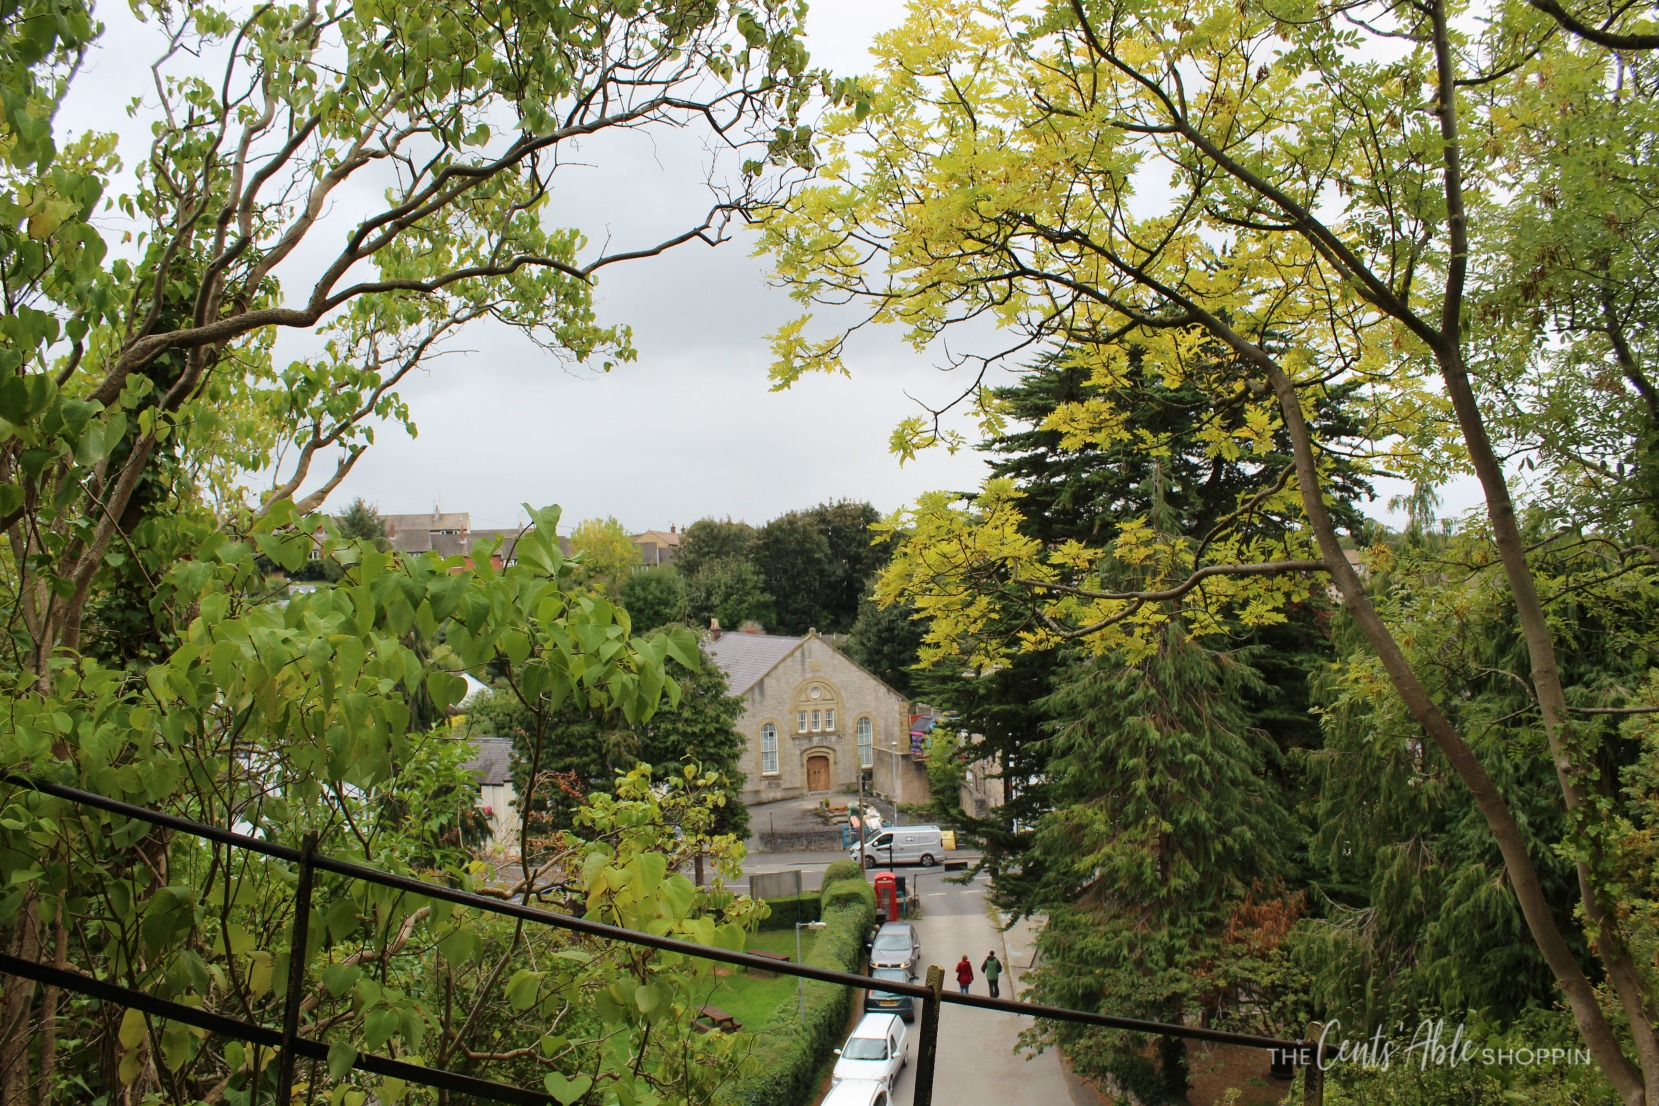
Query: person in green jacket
(991, 969)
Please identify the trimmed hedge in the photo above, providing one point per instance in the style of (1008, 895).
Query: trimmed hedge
(840, 870)
(782, 911)
(786, 1057)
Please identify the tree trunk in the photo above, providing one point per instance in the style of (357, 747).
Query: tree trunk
(1552, 707)
(44, 1093)
(1523, 876)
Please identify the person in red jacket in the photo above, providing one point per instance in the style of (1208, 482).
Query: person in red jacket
(964, 973)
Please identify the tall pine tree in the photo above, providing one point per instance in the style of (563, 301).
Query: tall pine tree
(1164, 821)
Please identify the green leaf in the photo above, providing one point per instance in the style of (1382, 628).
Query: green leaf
(682, 646)
(460, 946)
(259, 974)
(567, 1090)
(341, 919)
(341, 1056)
(378, 1026)
(14, 400)
(175, 1045)
(337, 979)
(522, 989)
(445, 688)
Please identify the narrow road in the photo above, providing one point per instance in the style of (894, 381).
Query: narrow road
(976, 1062)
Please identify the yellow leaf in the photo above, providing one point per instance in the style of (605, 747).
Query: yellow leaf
(133, 1029)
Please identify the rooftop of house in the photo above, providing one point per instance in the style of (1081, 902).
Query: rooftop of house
(492, 760)
(745, 658)
(435, 521)
(659, 537)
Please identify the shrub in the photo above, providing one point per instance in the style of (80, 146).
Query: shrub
(842, 870)
(786, 911)
(786, 1055)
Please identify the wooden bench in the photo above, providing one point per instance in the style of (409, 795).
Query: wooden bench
(711, 1017)
(762, 973)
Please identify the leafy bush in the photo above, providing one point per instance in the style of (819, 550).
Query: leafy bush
(785, 911)
(842, 870)
(787, 1053)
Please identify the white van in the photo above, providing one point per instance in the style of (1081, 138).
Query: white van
(922, 845)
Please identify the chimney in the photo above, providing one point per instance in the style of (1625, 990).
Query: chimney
(714, 629)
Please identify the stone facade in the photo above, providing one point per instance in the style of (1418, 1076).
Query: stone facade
(806, 707)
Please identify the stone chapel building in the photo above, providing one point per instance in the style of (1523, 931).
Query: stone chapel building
(813, 718)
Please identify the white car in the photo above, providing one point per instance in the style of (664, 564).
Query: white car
(857, 1092)
(875, 1053)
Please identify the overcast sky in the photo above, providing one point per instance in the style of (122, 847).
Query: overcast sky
(690, 430)
(687, 431)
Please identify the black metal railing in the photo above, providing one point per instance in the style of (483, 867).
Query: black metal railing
(309, 861)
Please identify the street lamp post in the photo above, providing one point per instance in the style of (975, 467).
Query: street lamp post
(800, 981)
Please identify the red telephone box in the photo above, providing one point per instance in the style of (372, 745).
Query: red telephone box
(887, 896)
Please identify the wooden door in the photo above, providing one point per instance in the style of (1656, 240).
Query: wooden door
(817, 773)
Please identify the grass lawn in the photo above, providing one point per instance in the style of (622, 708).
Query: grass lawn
(751, 999)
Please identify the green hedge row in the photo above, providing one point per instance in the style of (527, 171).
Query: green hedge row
(839, 871)
(785, 911)
(786, 1057)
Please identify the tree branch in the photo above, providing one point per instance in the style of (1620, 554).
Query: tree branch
(1613, 40)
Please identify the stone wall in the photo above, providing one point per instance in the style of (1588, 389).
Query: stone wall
(914, 789)
(801, 841)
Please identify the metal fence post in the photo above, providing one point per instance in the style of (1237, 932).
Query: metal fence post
(1313, 1081)
(930, 1037)
(296, 970)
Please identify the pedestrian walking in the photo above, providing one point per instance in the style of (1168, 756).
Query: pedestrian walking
(964, 973)
(992, 970)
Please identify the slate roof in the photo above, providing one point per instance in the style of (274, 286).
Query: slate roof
(492, 760)
(450, 545)
(745, 658)
(412, 541)
(436, 520)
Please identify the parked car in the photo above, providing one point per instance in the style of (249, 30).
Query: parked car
(922, 845)
(857, 1092)
(875, 1053)
(896, 946)
(877, 1001)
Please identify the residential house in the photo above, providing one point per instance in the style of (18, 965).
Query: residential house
(813, 719)
(656, 548)
(448, 534)
(492, 764)
(443, 532)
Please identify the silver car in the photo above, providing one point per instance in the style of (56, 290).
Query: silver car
(896, 946)
(875, 1053)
